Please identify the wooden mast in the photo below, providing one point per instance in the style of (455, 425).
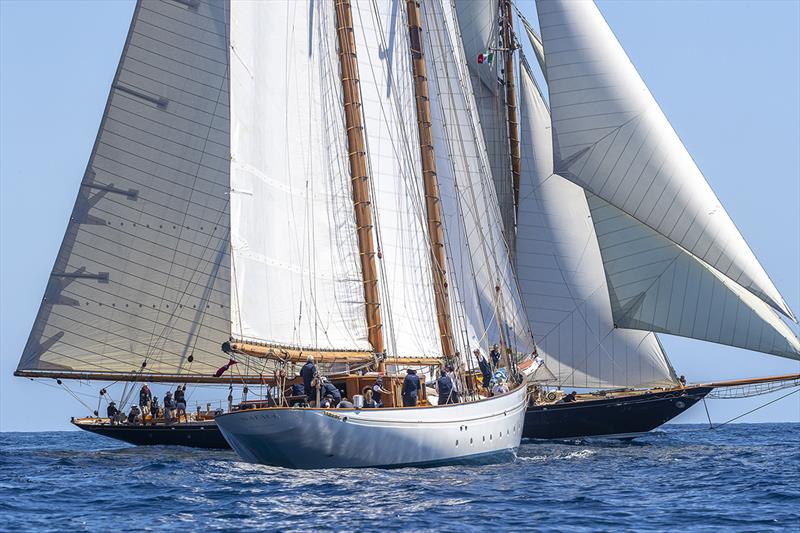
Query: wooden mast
(431, 184)
(358, 171)
(511, 98)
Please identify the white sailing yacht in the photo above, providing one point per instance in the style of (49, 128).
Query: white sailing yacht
(295, 179)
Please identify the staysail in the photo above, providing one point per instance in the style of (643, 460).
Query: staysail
(296, 277)
(480, 265)
(656, 285)
(611, 138)
(140, 286)
(561, 275)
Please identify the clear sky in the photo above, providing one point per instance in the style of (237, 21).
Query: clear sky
(726, 74)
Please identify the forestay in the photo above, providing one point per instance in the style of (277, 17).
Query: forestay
(140, 286)
(561, 275)
(611, 138)
(296, 275)
(387, 94)
(478, 256)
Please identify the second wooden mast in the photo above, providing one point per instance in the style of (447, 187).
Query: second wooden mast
(431, 185)
(358, 171)
(511, 99)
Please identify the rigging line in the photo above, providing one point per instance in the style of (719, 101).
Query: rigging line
(88, 408)
(752, 410)
(710, 425)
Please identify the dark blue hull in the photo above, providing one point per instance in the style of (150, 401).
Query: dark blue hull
(195, 435)
(624, 417)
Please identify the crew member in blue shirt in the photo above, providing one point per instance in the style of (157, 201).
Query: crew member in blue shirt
(329, 389)
(308, 372)
(445, 386)
(411, 387)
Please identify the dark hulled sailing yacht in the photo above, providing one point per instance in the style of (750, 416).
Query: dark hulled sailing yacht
(616, 235)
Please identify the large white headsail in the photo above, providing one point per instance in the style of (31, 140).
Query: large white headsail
(140, 287)
(296, 274)
(390, 121)
(611, 138)
(561, 275)
(656, 285)
(478, 255)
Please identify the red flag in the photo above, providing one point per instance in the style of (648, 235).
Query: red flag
(221, 370)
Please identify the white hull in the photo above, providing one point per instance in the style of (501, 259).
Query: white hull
(485, 431)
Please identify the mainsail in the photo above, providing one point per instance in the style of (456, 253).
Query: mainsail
(561, 273)
(611, 138)
(296, 275)
(141, 282)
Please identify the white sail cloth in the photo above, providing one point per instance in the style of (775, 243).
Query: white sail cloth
(561, 275)
(478, 257)
(479, 29)
(296, 273)
(142, 275)
(611, 138)
(390, 126)
(655, 285)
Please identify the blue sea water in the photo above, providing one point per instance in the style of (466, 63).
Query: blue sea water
(743, 477)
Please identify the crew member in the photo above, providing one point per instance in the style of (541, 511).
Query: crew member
(153, 410)
(454, 394)
(495, 356)
(500, 388)
(485, 368)
(144, 398)
(133, 414)
(308, 373)
(411, 387)
(112, 411)
(378, 391)
(169, 405)
(329, 389)
(180, 403)
(445, 387)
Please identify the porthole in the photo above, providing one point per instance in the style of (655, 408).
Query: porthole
(470, 441)
(456, 443)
